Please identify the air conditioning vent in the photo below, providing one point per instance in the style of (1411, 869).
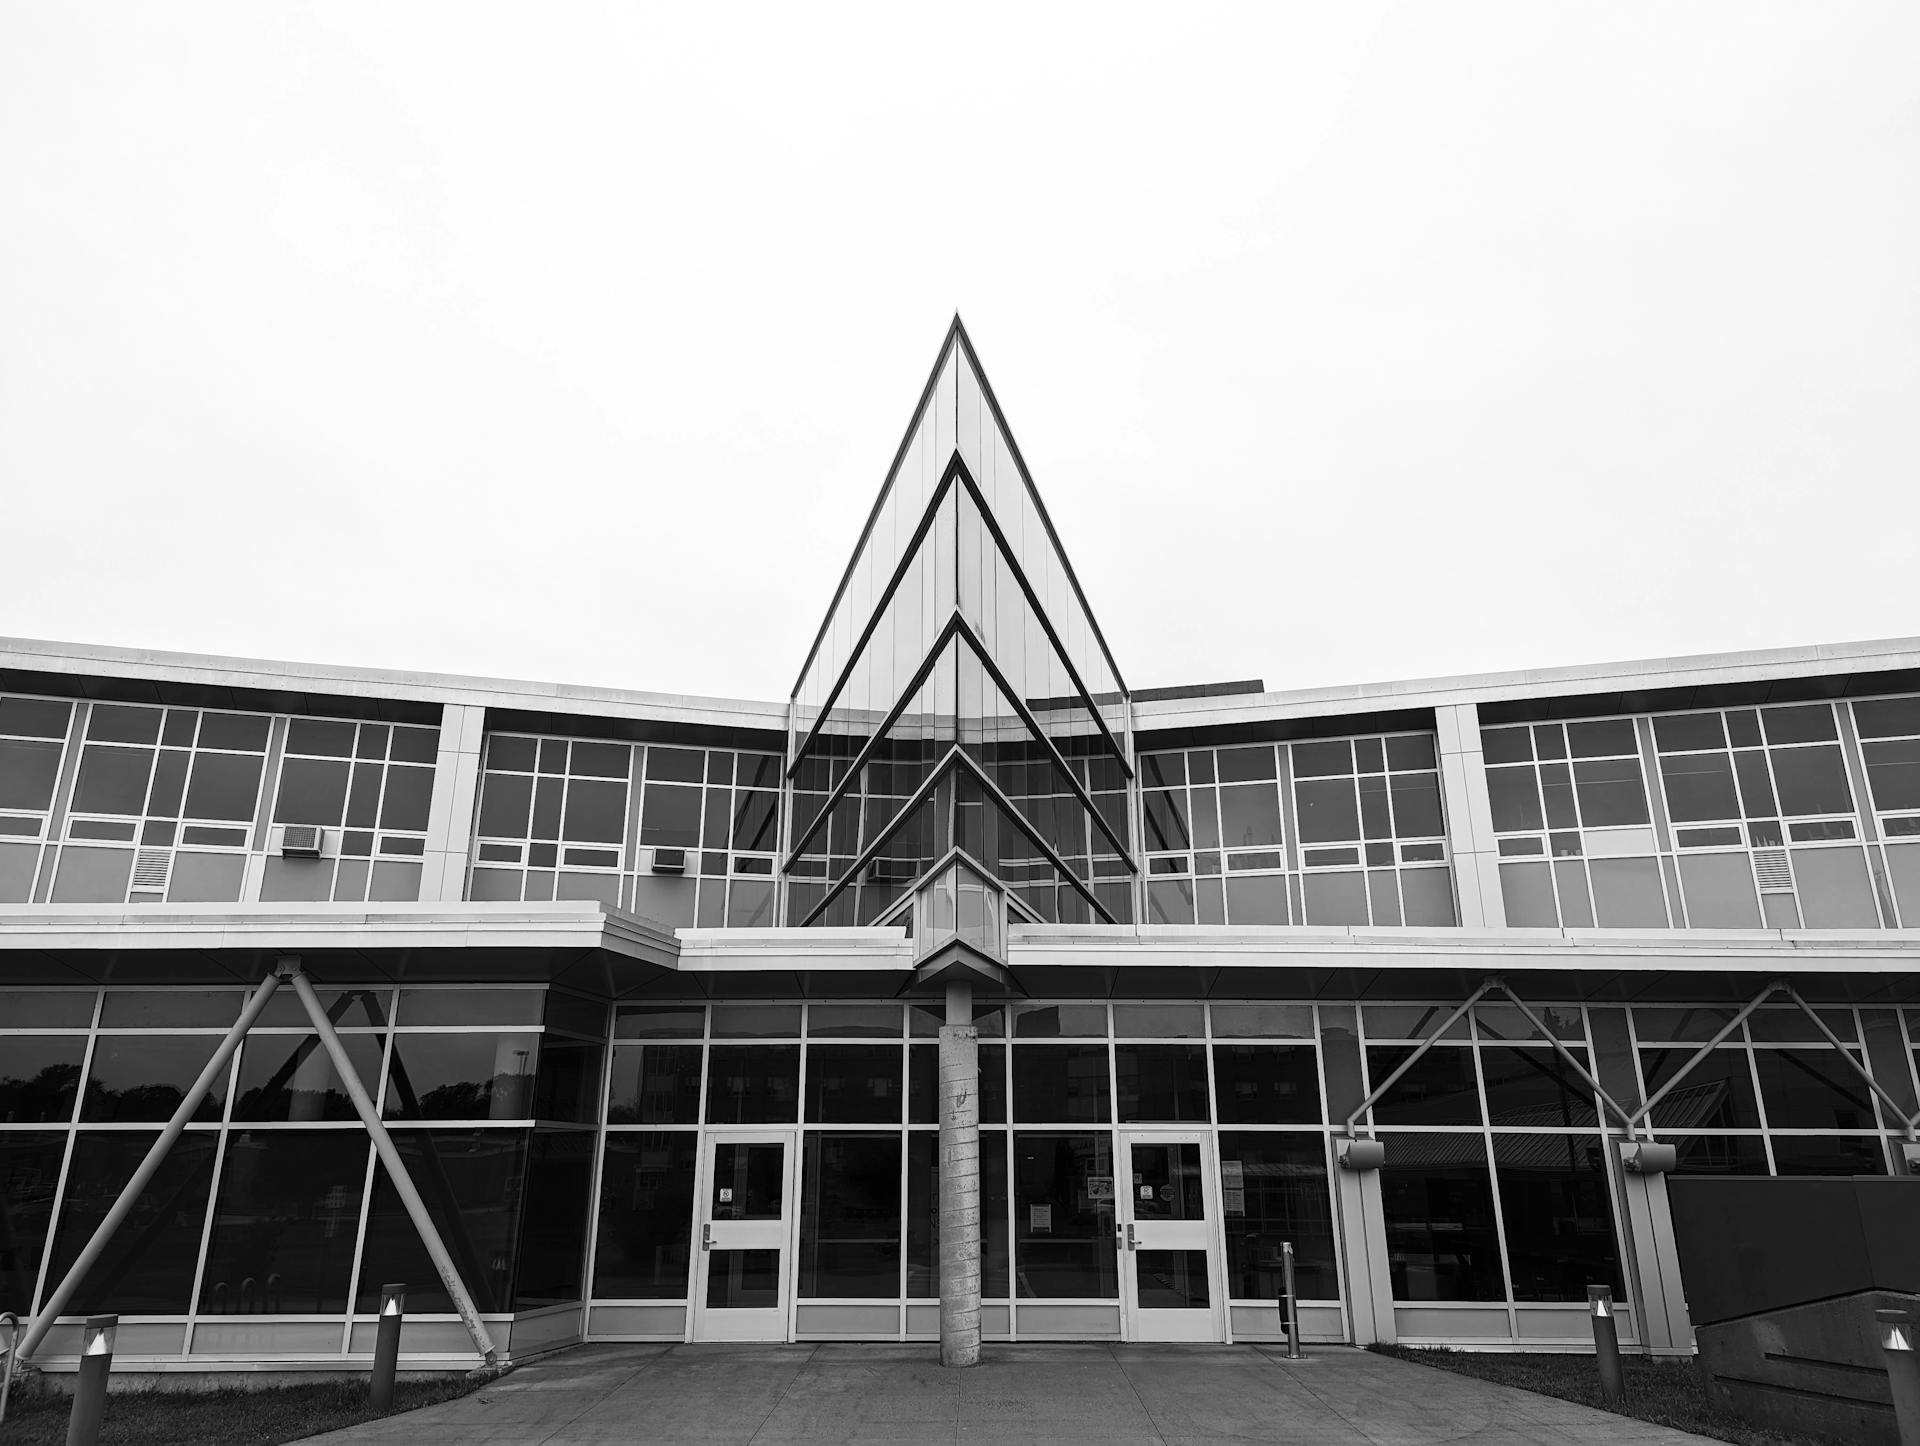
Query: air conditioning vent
(151, 867)
(669, 861)
(1770, 867)
(302, 841)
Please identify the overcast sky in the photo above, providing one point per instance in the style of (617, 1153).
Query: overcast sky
(1345, 343)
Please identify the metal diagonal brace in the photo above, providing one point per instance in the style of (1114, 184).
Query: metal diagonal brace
(123, 1205)
(1572, 1059)
(1418, 1050)
(1645, 1112)
(1911, 1124)
(289, 969)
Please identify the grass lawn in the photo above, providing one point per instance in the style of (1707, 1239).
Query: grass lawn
(217, 1418)
(1666, 1393)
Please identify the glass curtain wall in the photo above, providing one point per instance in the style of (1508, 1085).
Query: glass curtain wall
(1795, 816)
(959, 698)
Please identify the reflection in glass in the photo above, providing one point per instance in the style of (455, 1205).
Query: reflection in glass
(854, 1083)
(1559, 1222)
(1267, 1084)
(148, 1266)
(646, 1216)
(753, 1084)
(1167, 1183)
(1717, 1093)
(654, 1084)
(39, 1077)
(145, 1077)
(1719, 1154)
(1161, 1082)
(1274, 1189)
(285, 1222)
(1171, 1279)
(29, 1175)
(472, 1182)
(850, 1216)
(749, 1181)
(1440, 1089)
(1437, 1197)
(290, 1077)
(462, 1076)
(1812, 1089)
(1063, 1225)
(1061, 1082)
(1828, 1155)
(1534, 1087)
(743, 1279)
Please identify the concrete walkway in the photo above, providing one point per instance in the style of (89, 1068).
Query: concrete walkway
(1113, 1395)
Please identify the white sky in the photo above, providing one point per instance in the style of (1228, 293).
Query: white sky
(1345, 343)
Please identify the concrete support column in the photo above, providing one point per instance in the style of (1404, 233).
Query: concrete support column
(1363, 1235)
(1665, 1328)
(456, 793)
(1470, 841)
(959, 1182)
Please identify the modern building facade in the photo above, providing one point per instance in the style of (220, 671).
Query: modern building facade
(673, 1012)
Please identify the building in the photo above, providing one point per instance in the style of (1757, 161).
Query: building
(652, 989)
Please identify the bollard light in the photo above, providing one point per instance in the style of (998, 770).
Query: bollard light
(386, 1346)
(1897, 1344)
(1606, 1344)
(90, 1386)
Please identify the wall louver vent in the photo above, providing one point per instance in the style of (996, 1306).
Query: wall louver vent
(1771, 869)
(151, 867)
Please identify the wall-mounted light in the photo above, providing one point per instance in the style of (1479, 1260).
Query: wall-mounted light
(1361, 1156)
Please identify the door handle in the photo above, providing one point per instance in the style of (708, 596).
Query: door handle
(706, 1236)
(1130, 1240)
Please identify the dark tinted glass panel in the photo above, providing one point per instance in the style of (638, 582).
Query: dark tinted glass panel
(1262, 1084)
(47, 1008)
(290, 1077)
(512, 753)
(1274, 1189)
(312, 790)
(1716, 1094)
(145, 1077)
(1828, 1155)
(1686, 731)
(553, 1232)
(1063, 1233)
(749, 1181)
(1060, 1021)
(1328, 811)
(112, 780)
(233, 730)
(124, 725)
(646, 1216)
(1876, 718)
(1719, 1154)
(567, 1083)
(1250, 816)
(407, 799)
(44, 718)
(753, 1084)
(670, 816)
(472, 1006)
(472, 1183)
(743, 1279)
(1694, 1025)
(39, 1076)
(1553, 1199)
(1811, 780)
(1061, 1082)
(923, 1085)
(1534, 1087)
(1167, 1183)
(462, 1076)
(596, 811)
(285, 1222)
(993, 1084)
(755, 1021)
(1810, 723)
(854, 1084)
(655, 1084)
(1440, 1089)
(29, 1174)
(850, 1216)
(347, 1008)
(681, 765)
(321, 736)
(1159, 1021)
(1610, 792)
(1699, 786)
(1161, 1082)
(224, 786)
(854, 1021)
(1894, 771)
(148, 1266)
(1416, 806)
(28, 772)
(1437, 1197)
(686, 1021)
(1812, 1089)
(504, 801)
(1171, 1279)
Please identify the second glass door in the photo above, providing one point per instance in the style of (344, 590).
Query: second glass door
(746, 1237)
(1170, 1287)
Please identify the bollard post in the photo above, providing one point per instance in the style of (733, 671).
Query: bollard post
(90, 1386)
(1606, 1344)
(1903, 1371)
(386, 1345)
(12, 1324)
(1290, 1302)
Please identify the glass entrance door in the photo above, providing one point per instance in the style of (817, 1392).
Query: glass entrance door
(1170, 1286)
(744, 1284)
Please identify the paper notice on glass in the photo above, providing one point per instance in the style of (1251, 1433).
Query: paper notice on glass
(1236, 1202)
(1233, 1174)
(1040, 1219)
(1100, 1187)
